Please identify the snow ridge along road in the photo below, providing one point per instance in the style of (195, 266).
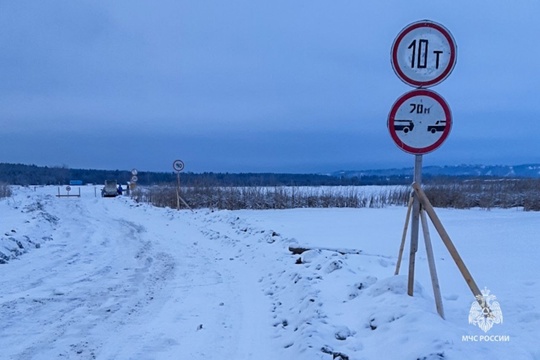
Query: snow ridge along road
(93, 278)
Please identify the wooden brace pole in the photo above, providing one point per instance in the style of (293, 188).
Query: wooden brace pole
(404, 236)
(447, 241)
(185, 203)
(431, 264)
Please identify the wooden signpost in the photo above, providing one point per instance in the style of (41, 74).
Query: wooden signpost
(134, 179)
(178, 166)
(424, 54)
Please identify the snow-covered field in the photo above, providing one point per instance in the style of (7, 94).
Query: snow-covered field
(94, 278)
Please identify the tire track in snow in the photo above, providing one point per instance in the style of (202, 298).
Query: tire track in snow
(98, 275)
(251, 252)
(292, 294)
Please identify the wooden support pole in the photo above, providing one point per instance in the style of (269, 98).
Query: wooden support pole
(404, 236)
(178, 190)
(431, 263)
(447, 241)
(178, 197)
(414, 244)
(414, 225)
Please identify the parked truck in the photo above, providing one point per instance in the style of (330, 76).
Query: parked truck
(110, 189)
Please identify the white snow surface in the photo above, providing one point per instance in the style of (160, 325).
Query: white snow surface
(107, 278)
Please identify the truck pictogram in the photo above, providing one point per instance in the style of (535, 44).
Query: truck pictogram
(403, 125)
(440, 125)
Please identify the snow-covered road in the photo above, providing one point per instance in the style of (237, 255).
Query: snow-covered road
(116, 280)
(94, 278)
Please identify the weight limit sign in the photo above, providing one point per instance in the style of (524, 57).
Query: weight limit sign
(419, 121)
(423, 54)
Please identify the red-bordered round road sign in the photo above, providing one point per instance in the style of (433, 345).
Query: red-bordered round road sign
(419, 121)
(423, 54)
(178, 165)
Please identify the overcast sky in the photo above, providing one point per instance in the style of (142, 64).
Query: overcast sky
(255, 86)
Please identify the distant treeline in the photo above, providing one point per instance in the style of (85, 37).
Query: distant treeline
(20, 174)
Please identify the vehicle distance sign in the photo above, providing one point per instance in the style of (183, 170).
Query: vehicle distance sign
(423, 54)
(419, 121)
(178, 165)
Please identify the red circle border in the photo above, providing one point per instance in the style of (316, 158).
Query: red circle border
(391, 118)
(408, 29)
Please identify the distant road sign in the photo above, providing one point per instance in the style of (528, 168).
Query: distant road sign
(178, 165)
(134, 172)
(419, 121)
(134, 178)
(423, 54)
(68, 188)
